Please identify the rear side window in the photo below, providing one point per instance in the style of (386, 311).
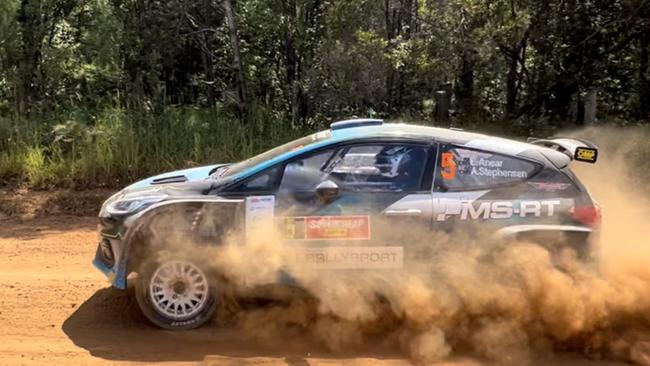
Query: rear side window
(463, 169)
(380, 168)
(372, 167)
(553, 183)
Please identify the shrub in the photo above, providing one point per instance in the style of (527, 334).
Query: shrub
(116, 146)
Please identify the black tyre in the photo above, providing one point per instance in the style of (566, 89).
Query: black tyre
(176, 294)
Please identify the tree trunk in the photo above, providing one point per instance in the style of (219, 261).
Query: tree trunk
(516, 58)
(442, 106)
(237, 59)
(563, 90)
(29, 58)
(291, 59)
(644, 79)
(511, 86)
(390, 73)
(590, 106)
(465, 84)
(399, 22)
(208, 69)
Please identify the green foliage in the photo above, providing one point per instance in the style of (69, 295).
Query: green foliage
(106, 91)
(316, 60)
(122, 146)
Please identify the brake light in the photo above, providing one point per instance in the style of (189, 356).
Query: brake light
(587, 215)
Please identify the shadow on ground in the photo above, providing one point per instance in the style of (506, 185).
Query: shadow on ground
(109, 325)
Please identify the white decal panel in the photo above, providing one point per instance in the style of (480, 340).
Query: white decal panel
(347, 257)
(260, 212)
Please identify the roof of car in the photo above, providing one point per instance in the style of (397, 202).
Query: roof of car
(406, 130)
(453, 136)
(351, 130)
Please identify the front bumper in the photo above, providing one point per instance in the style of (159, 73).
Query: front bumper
(108, 257)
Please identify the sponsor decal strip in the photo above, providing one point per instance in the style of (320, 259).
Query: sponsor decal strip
(480, 167)
(350, 257)
(467, 210)
(324, 227)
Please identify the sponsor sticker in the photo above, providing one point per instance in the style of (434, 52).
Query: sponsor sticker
(586, 154)
(291, 227)
(482, 167)
(350, 257)
(468, 210)
(324, 227)
(550, 187)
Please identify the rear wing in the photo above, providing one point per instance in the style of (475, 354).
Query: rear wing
(575, 148)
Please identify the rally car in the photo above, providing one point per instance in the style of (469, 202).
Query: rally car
(333, 192)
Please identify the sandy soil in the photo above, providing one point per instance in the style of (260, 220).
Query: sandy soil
(56, 308)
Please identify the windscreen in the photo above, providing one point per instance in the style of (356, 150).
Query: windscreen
(236, 168)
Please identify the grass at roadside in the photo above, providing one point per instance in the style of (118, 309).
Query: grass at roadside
(116, 146)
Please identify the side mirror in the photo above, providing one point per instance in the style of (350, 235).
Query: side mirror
(327, 190)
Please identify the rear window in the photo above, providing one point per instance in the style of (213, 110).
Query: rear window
(553, 183)
(461, 168)
(381, 168)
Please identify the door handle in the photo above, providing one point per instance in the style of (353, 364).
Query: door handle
(403, 212)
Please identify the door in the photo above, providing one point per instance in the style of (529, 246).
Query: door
(482, 187)
(354, 197)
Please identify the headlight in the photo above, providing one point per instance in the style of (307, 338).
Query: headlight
(130, 205)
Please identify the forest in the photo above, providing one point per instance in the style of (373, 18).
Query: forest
(97, 93)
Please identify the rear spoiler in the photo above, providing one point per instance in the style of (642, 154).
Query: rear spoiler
(575, 148)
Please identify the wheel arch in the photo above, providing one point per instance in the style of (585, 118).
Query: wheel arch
(579, 238)
(137, 243)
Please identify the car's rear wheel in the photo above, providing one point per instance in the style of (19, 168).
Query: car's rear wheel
(176, 294)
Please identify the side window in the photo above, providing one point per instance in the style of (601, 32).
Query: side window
(303, 175)
(262, 182)
(461, 168)
(379, 167)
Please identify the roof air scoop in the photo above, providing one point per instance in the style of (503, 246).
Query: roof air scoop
(172, 179)
(349, 123)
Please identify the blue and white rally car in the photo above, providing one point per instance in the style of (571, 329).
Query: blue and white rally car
(343, 185)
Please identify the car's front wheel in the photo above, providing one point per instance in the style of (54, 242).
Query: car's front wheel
(176, 294)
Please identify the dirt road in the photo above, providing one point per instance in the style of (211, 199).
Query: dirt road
(56, 308)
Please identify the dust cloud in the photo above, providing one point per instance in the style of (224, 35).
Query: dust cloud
(507, 302)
